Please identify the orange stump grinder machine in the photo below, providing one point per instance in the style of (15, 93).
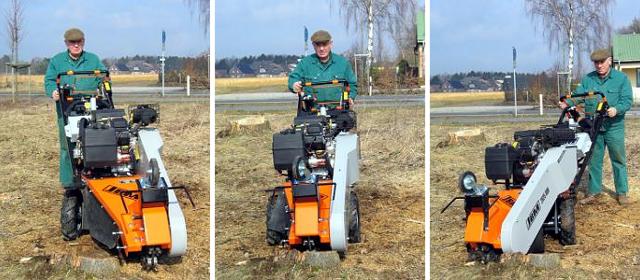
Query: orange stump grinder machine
(124, 198)
(540, 170)
(316, 207)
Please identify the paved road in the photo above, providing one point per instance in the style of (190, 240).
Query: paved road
(286, 101)
(133, 90)
(127, 94)
(482, 110)
(493, 114)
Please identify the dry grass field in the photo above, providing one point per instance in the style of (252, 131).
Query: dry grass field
(391, 193)
(30, 194)
(231, 85)
(442, 99)
(607, 233)
(37, 81)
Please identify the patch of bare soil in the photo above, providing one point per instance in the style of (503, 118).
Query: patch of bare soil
(607, 234)
(390, 190)
(31, 195)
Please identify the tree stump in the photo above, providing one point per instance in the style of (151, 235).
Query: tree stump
(324, 259)
(546, 260)
(246, 125)
(462, 136)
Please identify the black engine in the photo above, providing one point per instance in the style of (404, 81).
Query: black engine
(310, 137)
(516, 162)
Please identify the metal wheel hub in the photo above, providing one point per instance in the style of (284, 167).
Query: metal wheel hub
(150, 258)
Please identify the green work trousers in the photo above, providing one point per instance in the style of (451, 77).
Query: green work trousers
(613, 139)
(66, 168)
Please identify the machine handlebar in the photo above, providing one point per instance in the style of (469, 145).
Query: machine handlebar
(332, 82)
(600, 114)
(86, 72)
(583, 94)
(344, 97)
(104, 88)
(603, 105)
(96, 72)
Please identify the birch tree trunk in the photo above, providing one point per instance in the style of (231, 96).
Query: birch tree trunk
(570, 66)
(369, 43)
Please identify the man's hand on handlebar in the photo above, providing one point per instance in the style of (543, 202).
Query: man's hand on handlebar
(562, 105)
(611, 112)
(297, 87)
(55, 95)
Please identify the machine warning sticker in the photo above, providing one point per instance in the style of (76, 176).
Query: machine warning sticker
(124, 193)
(536, 208)
(508, 200)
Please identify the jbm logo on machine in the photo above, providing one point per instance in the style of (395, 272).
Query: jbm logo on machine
(124, 193)
(536, 208)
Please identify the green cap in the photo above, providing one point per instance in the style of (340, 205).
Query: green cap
(600, 54)
(73, 34)
(320, 36)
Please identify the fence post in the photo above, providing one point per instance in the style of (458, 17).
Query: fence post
(29, 79)
(541, 105)
(188, 85)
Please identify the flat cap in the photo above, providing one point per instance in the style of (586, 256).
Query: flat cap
(320, 36)
(600, 54)
(73, 34)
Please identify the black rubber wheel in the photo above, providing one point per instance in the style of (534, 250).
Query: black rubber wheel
(278, 220)
(155, 172)
(354, 219)
(567, 221)
(537, 247)
(70, 215)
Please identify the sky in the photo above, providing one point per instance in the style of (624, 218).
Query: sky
(253, 27)
(479, 35)
(112, 28)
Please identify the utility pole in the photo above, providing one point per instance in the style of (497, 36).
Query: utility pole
(515, 95)
(306, 38)
(162, 59)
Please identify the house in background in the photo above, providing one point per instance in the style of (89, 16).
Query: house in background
(419, 48)
(241, 70)
(267, 69)
(626, 58)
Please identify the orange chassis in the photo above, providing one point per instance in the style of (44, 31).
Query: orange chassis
(141, 224)
(487, 231)
(309, 215)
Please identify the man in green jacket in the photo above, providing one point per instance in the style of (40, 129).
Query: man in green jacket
(617, 89)
(74, 59)
(323, 66)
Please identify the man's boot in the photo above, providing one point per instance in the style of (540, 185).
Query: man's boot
(623, 199)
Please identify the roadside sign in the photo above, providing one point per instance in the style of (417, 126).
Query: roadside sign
(306, 34)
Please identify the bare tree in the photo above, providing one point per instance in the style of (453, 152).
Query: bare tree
(14, 20)
(203, 8)
(361, 14)
(633, 28)
(571, 23)
(403, 29)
